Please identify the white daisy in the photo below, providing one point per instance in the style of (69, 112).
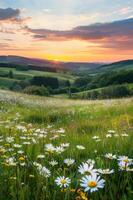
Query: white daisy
(85, 168)
(123, 165)
(44, 171)
(41, 156)
(53, 163)
(81, 147)
(110, 156)
(63, 181)
(59, 149)
(105, 171)
(49, 148)
(65, 144)
(111, 131)
(92, 183)
(125, 160)
(69, 161)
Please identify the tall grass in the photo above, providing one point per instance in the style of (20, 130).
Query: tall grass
(33, 122)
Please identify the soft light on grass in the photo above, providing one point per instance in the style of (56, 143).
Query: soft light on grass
(28, 123)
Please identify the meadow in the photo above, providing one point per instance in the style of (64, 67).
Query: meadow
(60, 149)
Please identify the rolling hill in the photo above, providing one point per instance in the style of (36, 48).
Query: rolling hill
(79, 68)
(116, 66)
(40, 64)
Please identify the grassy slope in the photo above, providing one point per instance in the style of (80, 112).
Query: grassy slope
(31, 73)
(78, 94)
(81, 120)
(7, 82)
(112, 67)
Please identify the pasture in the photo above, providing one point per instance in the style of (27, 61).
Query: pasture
(60, 149)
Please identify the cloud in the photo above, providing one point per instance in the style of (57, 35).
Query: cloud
(9, 14)
(109, 35)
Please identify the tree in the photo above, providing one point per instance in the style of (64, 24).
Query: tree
(45, 81)
(36, 90)
(10, 75)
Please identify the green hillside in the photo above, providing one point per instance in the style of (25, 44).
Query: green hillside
(30, 73)
(116, 66)
(45, 138)
(105, 92)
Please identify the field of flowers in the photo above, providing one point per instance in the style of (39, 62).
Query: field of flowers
(56, 149)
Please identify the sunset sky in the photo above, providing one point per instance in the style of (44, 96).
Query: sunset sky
(67, 30)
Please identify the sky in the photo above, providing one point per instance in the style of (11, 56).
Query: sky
(67, 30)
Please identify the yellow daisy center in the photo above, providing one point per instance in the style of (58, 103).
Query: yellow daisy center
(92, 184)
(63, 181)
(21, 158)
(126, 160)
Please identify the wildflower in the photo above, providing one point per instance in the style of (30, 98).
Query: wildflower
(40, 156)
(17, 145)
(31, 176)
(123, 165)
(90, 162)
(124, 135)
(44, 171)
(21, 128)
(38, 165)
(81, 195)
(80, 147)
(26, 143)
(10, 139)
(95, 137)
(61, 130)
(11, 161)
(21, 158)
(108, 135)
(20, 152)
(63, 181)
(129, 169)
(54, 137)
(110, 156)
(85, 168)
(59, 149)
(65, 145)
(125, 160)
(49, 148)
(53, 163)
(2, 150)
(105, 171)
(111, 131)
(92, 183)
(69, 161)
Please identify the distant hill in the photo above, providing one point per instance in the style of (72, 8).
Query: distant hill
(79, 68)
(116, 66)
(38, 63)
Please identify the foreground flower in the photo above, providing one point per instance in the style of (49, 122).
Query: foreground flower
(63, 181)
(85, 168)
(69, 161)
(92, 183)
